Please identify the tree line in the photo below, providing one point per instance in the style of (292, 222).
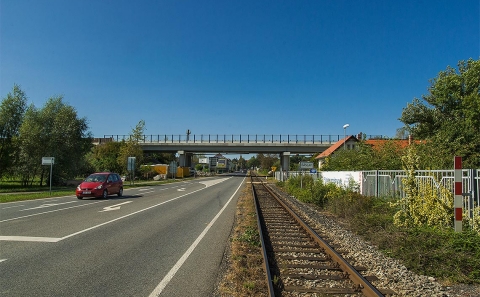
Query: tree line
(447, 120)
(29, 133)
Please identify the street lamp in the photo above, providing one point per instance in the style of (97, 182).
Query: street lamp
(345, 134)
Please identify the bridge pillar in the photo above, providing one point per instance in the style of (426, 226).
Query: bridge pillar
(185, 159)
(181, 158)
(285, 165)
(188, 160)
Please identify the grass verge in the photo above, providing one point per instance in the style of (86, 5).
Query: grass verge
(441, 253)
(245, 275)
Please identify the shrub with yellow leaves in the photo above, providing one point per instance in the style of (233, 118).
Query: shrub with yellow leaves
(422, 204)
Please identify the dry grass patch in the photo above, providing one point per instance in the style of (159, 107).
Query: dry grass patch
(245, 275)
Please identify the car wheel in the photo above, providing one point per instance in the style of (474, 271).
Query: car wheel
(79, 197)
(120, 192)
(105, 194)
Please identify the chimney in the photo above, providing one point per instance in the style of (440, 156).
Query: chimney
(359, 136)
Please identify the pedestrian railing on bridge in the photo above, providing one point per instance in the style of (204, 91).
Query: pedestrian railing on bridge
(236, 138)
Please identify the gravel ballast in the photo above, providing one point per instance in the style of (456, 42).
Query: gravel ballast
(390, 272)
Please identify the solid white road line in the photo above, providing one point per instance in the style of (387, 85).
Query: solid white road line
(29, 238)
(53, 239)
(161, 286)
(40, 213)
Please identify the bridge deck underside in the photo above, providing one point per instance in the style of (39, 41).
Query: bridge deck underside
(240, 148)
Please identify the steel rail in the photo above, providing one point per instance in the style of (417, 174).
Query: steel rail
(271, 291)
(362, 284)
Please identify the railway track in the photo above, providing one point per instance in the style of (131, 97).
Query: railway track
(300, 262)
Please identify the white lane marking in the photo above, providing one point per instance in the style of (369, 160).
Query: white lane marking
(40, 213)
(114, 207)
(29, 238)
(130, 214)
(181, 190)
(45, 205)
(99, 225)
(161, 286)
(13, 206)
(147, 192)
(209, 183)
(146, 189)
(1, 260)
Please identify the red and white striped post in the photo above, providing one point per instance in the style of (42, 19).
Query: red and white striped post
(458, 200)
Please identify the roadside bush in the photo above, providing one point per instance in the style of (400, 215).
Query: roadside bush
(308, 190)
(424, 240)
(422, 205)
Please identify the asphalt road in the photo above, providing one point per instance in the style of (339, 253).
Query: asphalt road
(154, 241)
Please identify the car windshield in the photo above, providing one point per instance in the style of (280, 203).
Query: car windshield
(96, 178)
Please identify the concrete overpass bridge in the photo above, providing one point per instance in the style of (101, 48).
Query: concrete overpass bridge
(236, 144)
(188, 145)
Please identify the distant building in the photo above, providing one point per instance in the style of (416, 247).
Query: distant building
(348, 143)
(219, 163)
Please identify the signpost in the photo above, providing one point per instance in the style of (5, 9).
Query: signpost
(131, 168)
(304, 165)
(49, 161)
(173, 168)
(203, 161)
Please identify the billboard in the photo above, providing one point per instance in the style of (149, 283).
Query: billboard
(222, 163)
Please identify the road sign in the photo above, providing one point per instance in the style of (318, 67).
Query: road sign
(313, 170)
(131, 164)
(48, 160)
(274, 168)
(306, 165)
(173, 167)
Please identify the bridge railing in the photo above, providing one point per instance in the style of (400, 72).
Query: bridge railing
(236, 138)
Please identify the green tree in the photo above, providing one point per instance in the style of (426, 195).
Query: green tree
(131, 147)
(161, 158)
(448, 117)
(53, 131)
(384, 156)
(387, 156)
(31, 146)
(12, 111)
(242, 163)
(104, 157)
(253, 162)
(266, 161)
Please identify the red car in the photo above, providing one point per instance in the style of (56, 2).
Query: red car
(100, 184)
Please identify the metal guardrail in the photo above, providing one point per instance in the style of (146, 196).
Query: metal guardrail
(234, 138)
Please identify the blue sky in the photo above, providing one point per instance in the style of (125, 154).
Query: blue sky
(234, 67)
